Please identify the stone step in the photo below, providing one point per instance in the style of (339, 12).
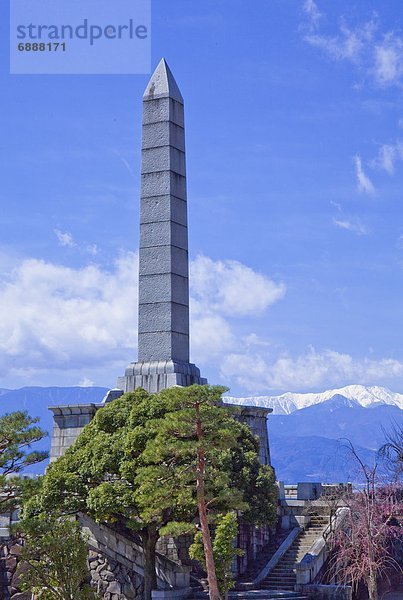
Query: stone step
(261, 594)
(283, 587)
(275, 586)
(280, 581)
(277, 580)
(278, 577)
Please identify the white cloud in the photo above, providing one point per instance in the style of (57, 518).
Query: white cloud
(363, 181)
(231, 288)
(252, 339)
(387, 157)
(349, 44)
(60, 317)
(336, 205)
(125, 163)
(211, 337)
(221, 290)
(312, 370)
(83, 321)
(86, 382)
(355, 226)
(91, 249)
(376, 54)
(312, 12)
(388, 68)
(65, 239)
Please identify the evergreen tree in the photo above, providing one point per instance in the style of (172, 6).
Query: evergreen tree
(18, 431)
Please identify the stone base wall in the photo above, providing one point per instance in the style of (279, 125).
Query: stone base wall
(251, 540)
(157, 375)
(113, 581)
(176, 549)
(256, 419)
(68, 423)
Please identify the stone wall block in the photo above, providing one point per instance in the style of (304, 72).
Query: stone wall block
(163, 259)
(163, 208)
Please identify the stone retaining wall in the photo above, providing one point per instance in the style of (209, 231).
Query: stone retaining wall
(118, 548)
(10, 571)
(113, 581)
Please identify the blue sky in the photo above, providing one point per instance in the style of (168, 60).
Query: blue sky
(295, 169)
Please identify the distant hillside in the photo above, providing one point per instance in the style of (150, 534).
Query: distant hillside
(37, 399)
(309, 444)
(314, 458)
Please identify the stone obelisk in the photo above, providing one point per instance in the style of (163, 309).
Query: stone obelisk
(163, 334)
(163, 338)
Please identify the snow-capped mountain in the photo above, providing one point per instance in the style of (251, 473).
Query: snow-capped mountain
(366, 396)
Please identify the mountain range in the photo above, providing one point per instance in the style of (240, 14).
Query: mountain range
(366, 396)
(307, 432)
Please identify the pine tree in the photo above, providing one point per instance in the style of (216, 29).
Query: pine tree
(196, 452)
(18, 431)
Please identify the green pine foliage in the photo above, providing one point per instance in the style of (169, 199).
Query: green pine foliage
(18, 431)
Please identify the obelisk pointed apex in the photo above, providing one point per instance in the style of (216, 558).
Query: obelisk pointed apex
(162, 84)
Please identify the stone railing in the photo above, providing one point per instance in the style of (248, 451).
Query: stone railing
(290, 491)
(310, 565)
(126, 552)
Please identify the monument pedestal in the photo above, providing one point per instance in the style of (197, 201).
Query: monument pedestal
(157, 375)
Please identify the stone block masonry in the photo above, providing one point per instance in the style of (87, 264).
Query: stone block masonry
(11, 569)
(113, 581)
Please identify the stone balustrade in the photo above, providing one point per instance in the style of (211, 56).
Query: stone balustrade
(310, 565)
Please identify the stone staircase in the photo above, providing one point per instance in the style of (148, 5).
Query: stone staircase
(254, 595)
(283, 576)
